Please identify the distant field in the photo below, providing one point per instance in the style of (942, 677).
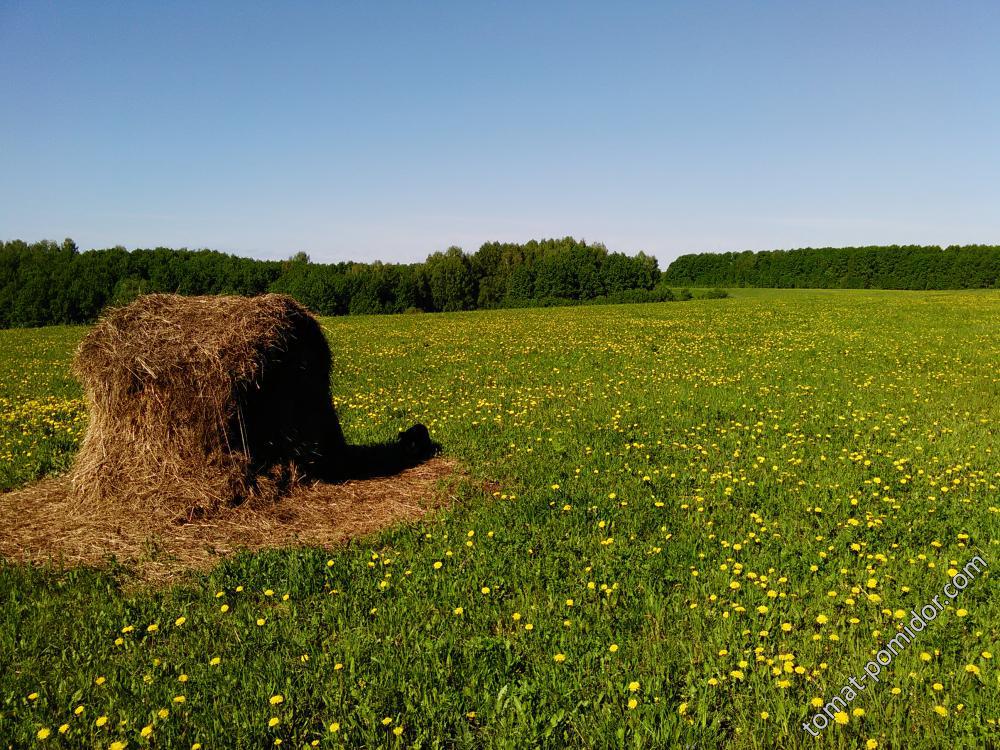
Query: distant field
(708, 514)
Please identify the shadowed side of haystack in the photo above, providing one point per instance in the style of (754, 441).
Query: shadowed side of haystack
(199, 402)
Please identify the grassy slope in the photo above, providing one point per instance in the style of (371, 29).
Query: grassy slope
(651, 458)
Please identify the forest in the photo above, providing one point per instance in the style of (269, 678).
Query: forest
(875, 267)
(46, 283)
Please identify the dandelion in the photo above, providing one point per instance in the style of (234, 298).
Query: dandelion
(273, 721)
(633, 687)
(147, 730)
(215, 661)
(397, 731)
(180, 621)
(274, 700)
(632, 703)
(101, 721)
(765, 715)
(43, 733)
(940, 710)
(613, 648)
(841, 717)
(871, 744)
(458, 611)
(335, 727)
(559, 658)
(63, 728)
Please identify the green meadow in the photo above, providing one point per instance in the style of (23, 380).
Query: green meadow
(681, 524)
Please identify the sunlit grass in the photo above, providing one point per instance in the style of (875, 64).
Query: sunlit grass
(693, 502)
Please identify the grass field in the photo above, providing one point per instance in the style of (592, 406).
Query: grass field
(709, 514)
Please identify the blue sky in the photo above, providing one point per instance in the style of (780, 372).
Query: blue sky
(377, 130)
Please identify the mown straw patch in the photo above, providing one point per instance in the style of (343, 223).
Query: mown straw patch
(45, 524)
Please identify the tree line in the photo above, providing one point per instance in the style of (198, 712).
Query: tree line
(874, 267)
(46, 283)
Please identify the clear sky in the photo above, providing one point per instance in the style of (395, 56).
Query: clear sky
(377, 130)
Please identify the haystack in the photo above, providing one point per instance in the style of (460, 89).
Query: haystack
(209, 419)
(196, 403)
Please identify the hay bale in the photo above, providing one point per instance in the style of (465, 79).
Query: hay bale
(196, 403)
